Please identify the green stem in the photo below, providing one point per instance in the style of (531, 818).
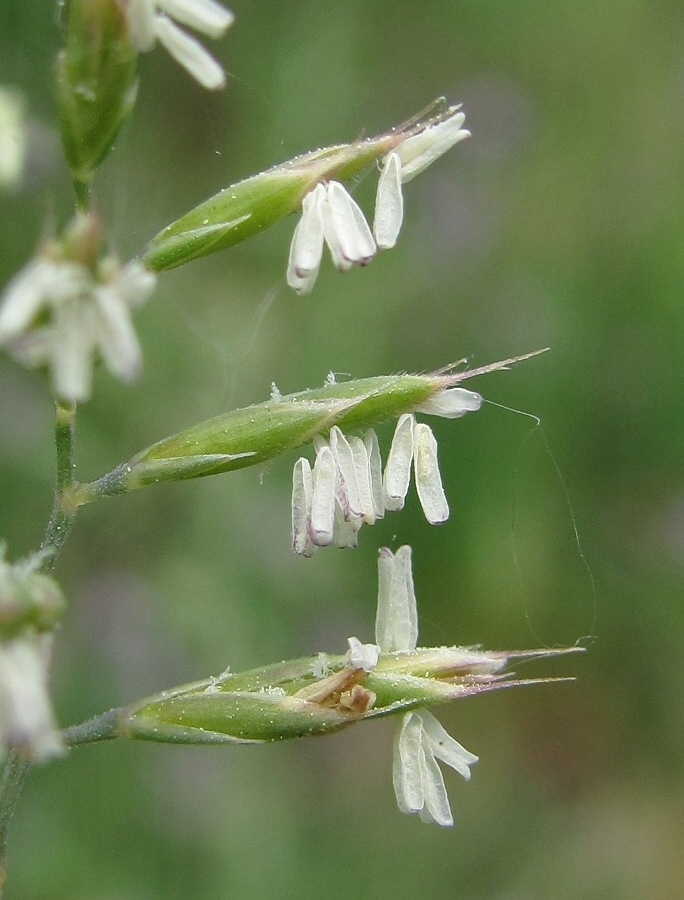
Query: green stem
(65, 505)
(82, 191)
(101, 728)
(13, 777)
(61, 519)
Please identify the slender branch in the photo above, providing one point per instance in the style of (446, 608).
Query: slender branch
(65, 505)
(16, 769)
(100, 728)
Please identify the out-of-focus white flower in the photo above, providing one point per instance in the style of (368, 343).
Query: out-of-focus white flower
(150, 21)
(404, 162)
(330, 215)
(27, 722)
(57, 313)
(13, 137)
(421, 740)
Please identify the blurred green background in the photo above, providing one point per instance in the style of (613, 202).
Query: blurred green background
(561, 223)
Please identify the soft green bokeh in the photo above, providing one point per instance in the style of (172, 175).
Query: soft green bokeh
(561, 223)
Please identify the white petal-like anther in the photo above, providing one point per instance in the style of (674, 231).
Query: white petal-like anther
(302, 495)
(389, 203)
(436, 809)
(418, 782)
(306, 249)
(451, 403)
(396, 621)
(398, 467)
(370, 440)
(323, 498)
(421, 150)
(406, 768)
(346, 531)
(345, 229)
(445, 748)
(428, 478)
(363, 478)
(347, 483)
